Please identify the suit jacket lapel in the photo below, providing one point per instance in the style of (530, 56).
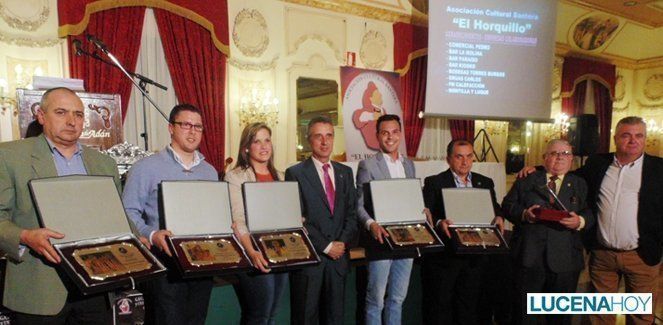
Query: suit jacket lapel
(312, 176)
(564, 193)
(339, 182)
(382, 165)
(409, 168)
(90, 163)
(42, 159)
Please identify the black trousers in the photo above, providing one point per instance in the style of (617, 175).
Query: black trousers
(541, 279)
(317, 295)
(179, 302)
(92, 310)
(451, 286)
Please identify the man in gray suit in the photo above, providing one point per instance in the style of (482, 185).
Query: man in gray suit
(385, 275)
(329, 208)
(33, 287)
(548, 254)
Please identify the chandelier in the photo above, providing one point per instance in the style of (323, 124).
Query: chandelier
(558, 129)
(259, 106)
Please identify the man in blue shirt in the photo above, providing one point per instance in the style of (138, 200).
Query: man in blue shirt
(175, 301)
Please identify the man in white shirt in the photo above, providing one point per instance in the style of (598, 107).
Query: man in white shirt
(385, 273)
(624, 193)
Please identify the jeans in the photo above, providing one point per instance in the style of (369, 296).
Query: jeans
(393, 278)
(259, 297)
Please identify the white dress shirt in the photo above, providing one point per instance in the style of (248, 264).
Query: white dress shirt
(396, 170)
(321, 173)
(618, 205)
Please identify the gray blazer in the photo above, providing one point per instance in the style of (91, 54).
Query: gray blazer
(374, 168)
(32, 285)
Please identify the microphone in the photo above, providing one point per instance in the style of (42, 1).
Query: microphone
(77, 46)
(97, 42)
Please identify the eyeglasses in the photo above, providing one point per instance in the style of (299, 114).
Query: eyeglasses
(564, 153)
(188, 126)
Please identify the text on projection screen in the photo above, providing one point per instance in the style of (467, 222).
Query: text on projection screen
(490, 59)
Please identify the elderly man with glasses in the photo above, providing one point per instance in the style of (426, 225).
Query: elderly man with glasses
(175, 301)
(548, 254)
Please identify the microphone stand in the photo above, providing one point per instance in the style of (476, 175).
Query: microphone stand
(142, 85)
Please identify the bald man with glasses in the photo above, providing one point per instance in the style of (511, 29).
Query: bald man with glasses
(548, 254)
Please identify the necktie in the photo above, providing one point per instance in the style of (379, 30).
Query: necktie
(329, 188)
(553, 186)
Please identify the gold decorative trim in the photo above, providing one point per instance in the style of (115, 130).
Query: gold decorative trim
(592, 7)
(250, 16)
(250, 66)
(25, 24)
(650, 106)
(589, 76)
(380, 3)
(320, 38)
(352, 8)
(414, 55)
(654, 81)
(620, 109)
(373, 50)
(29, 42)
(102, 5)
(620, 88)
(563, 49)
(606, 43)
(557, 77)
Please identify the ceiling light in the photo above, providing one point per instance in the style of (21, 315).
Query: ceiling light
(630, 3)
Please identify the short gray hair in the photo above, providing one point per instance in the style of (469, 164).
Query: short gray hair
(316, 120)
(557, 141)
(44, 97)
(631, 120)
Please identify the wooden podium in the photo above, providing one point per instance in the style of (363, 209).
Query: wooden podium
(102, 128)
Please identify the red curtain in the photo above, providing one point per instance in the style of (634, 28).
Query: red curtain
(462, 130)
(73, 15)
(410, 61)
(198, 70)
(574, 105)
(576, 73)
(413, 86)
(603, 108)
(120, 30)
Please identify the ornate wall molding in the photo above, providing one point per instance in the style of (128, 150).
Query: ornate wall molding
(25, 23)
(620, 88)
(302, 25)
(30, 42)
(653, 88)
(323, 39)
(250, 33)
(253, 66)
(373, 51)
(557, 77)
(650, 106)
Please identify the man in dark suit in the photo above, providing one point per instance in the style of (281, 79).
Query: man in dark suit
(329, 210)
(451, 282)
(548, 254)
(625, 195)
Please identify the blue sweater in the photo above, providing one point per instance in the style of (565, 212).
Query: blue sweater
(141, 192)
